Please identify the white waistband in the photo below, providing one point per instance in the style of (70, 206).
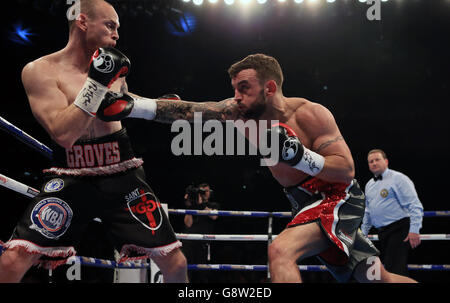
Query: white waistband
(97, 171)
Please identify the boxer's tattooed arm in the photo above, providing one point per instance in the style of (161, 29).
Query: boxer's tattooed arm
(328, 143)
(169, 111)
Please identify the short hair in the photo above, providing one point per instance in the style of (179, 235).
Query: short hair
(87, 7)
(377, 150)
(201, 185)
(266, 67)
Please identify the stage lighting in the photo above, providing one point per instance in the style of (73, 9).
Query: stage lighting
(229, 2)
(20, 35)
(197, 2)
(182, 25)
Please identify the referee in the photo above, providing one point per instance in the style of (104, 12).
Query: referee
(394, 209)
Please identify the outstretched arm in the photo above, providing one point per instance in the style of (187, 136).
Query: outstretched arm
(169, 111)
(116, 107)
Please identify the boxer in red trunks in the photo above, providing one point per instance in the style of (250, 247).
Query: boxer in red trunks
(316, 169)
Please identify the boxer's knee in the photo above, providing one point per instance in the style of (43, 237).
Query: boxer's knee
(173, 266)
(277, 253)
(179, 262)
(15, 262)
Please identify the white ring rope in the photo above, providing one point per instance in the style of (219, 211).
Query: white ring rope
(182, 236)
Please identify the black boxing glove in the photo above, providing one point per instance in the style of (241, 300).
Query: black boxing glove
(292, 151)
(106, 65)
(115, 107)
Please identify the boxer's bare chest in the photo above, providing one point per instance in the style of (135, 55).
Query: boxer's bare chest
(70, 82)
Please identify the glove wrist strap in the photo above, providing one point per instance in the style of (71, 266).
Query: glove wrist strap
(311, 163)
(90, 96)
(143, 108)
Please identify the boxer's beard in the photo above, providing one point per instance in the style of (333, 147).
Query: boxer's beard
(257, 108)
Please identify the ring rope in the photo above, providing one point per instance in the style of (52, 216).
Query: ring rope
(263, 214)
(25, 138)
(18, 186)
(237, 237)
(141, 264)
(444, 267)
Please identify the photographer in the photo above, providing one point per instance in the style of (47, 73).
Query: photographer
(198, 198)
(198, 252)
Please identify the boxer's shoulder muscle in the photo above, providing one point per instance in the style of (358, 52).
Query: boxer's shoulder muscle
(318, 124)
(39, 79)
(38, 70)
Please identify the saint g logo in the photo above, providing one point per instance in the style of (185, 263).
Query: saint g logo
(103, 63)
(51, 217)
(54, 185)
(290, 149)
(143, 209)
(384, 193)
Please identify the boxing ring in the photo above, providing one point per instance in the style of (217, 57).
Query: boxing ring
(145, 264)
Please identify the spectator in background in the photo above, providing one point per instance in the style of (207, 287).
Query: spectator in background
(199, 252)
(394, 209)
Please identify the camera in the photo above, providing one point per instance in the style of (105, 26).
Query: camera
(192, 193)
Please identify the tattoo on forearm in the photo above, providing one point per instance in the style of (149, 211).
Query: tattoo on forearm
(328, 143)
(169, 111)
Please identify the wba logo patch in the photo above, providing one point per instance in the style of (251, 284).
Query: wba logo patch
(51, 217)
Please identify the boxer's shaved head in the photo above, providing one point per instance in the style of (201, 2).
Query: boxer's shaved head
(88, 8)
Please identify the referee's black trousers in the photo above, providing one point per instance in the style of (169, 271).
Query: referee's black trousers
(394, 252)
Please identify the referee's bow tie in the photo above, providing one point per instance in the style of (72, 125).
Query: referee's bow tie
(380, 177)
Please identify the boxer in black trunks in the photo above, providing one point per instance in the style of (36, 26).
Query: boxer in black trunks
(316, 169)
(94, 173)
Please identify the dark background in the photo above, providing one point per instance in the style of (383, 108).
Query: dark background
(386, 83)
